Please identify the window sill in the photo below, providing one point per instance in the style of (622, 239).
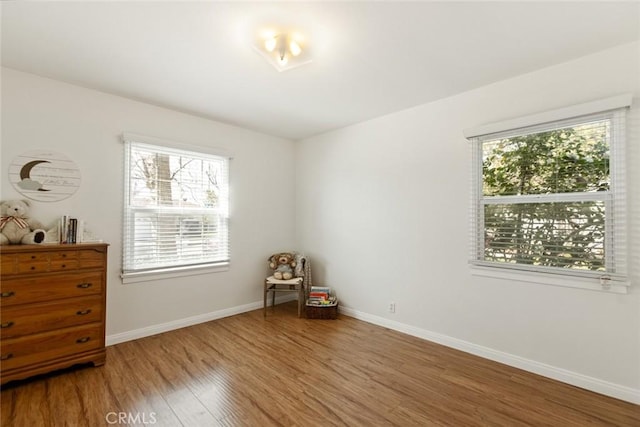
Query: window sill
(172, 273)
(592, 284)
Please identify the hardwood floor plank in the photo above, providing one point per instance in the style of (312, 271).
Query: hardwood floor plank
(248, 370)
(30, 407)
(136, 394)
(66, 395)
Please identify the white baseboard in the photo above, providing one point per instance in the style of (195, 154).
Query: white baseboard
(576, 379)
(189, 321)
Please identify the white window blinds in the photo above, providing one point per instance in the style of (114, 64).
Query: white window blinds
(175, 209)
(551, 197)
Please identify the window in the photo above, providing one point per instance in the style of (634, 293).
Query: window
(549, 198)
(175, 209)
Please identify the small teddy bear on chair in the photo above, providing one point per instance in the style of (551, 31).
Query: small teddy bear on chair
(283, 265)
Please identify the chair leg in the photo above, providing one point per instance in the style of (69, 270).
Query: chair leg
(264, 307)
(300, 300)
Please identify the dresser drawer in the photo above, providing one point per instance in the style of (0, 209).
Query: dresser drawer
(41, 262)
(35, 257)
(25, 319)
(33, 267)
(63, 260)
(63, 255)
(93, 259)
(8, 265)
(37, 262)
(18, 352)
(63, 264)
(24, 290)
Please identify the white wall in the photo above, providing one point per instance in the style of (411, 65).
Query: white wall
(86, 126)
(383, 210)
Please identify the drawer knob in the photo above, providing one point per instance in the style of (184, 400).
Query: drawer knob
(64, 265)
(83, 340)
(6, 356)
(84, 285)
(83, 312)
(6, 325)
(7, 294)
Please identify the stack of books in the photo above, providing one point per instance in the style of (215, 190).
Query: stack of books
(71, 230)
(321, 295)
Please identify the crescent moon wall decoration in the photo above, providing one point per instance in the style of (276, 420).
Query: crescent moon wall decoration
(44, 175)
(26, 183)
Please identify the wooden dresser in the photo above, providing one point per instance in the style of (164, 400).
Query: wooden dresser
(52, 307)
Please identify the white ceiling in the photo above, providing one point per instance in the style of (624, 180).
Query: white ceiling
(370, 58)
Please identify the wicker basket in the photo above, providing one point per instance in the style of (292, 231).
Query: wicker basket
(322, 311)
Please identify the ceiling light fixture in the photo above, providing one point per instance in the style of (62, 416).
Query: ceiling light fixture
(284, 50)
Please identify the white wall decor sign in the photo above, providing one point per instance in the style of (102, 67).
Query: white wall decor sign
(44, 175)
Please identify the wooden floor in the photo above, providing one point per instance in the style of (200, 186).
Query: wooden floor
(246, 370)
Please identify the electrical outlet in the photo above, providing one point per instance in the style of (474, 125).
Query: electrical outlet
(392, 307)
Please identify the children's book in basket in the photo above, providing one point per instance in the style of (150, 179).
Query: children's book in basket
(322, 303)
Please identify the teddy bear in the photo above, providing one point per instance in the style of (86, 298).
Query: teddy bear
(15, 225)
(283, 264)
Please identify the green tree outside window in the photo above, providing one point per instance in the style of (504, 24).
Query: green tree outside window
(529, 227)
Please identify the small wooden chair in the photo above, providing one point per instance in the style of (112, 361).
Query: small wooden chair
(294, 284)
(274, 285)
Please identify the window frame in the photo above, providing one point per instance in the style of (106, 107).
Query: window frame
(176, 270)
(615, 278)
